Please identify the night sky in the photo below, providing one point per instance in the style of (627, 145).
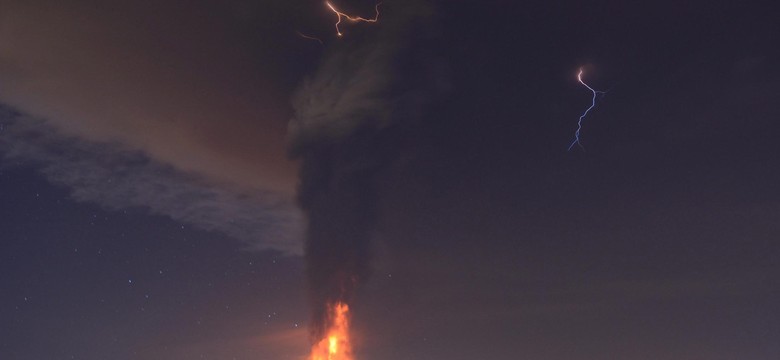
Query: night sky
(161, 162)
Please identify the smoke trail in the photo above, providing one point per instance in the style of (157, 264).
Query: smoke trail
(349, 119)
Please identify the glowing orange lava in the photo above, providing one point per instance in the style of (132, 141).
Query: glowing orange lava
(335, 345)
(352, 18)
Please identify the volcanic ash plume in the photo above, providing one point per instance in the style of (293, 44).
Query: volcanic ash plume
(349, 118)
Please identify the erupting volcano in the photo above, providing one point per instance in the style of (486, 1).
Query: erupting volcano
(351, 119)
(336, 344)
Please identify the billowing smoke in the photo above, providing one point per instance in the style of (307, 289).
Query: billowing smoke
(351, 117)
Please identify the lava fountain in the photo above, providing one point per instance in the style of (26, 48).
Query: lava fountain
(336, 344)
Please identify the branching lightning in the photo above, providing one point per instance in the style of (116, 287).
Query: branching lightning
(592, 105)
(352, 18)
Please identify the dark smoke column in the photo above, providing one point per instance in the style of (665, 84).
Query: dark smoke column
(350, 118)
(338, 195)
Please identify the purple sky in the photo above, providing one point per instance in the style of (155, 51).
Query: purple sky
(148, 200)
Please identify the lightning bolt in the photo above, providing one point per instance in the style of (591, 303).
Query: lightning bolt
(309, 37)
(352, 18)
(592, 105)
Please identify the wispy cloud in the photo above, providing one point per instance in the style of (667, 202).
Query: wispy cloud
(116, 176)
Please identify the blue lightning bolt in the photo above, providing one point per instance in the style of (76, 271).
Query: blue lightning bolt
(592, 105)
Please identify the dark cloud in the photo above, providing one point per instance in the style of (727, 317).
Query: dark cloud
(117, 177)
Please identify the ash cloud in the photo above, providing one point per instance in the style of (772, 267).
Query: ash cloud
(351, 118)
(116, 177)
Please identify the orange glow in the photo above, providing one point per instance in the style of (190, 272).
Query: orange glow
(352, 18)
(335, 345)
